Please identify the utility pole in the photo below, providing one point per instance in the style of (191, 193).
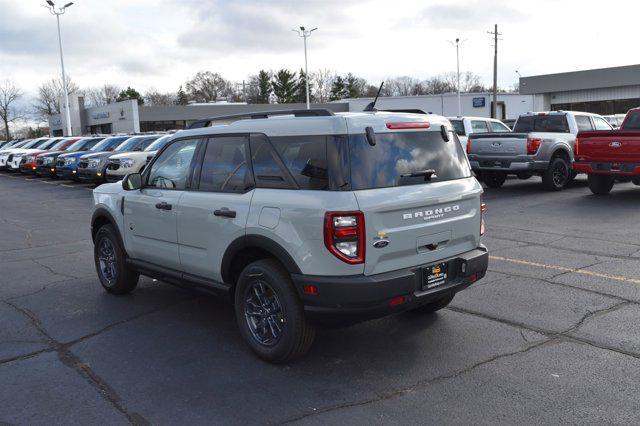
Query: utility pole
(304, 33)
(457, 44)
(494, 104)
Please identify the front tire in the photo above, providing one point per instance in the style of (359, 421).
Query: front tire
(269, 313)
(494, 179)
(600, 184)
(557, 176)
(109, 256)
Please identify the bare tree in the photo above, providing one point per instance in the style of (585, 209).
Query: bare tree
(322, 80)
(207, 86)
(401, 86)
(9, 95)
(49, 94)
(98, 96)
(153, 97)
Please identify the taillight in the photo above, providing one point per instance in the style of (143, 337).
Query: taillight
(533, 145)
(576, 148)
(469, 145)
(483, 208)
(344, 235)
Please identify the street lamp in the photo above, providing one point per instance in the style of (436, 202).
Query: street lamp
(457, 45)
(60, 11)
(304, 33)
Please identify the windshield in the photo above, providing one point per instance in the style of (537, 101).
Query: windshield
(135, 144)
(396, 156)
(158, 144)
(542, 123)
(633, 121)
(59, 145)
(458, 125)
(34, 144)
(108, 144)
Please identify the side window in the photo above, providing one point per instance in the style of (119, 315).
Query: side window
(171, 168)
(601, 124)
(225, 165)
(306, 159)
(267, 168)
(584, 123)
(498, 127)
(478, 126)
(458, 125)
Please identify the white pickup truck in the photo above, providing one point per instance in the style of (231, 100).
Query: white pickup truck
(541, 144)
(464, 126)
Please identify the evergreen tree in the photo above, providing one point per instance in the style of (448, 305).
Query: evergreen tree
(354, 86)
(181, 97)
(338, 89)
(129, 94)
(301, 95)
(285, 86)
(263, 81)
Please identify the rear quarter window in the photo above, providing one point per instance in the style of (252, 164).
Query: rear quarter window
(306, 159)
(396, 155)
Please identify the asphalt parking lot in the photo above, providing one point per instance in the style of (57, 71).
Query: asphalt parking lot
(549, 336)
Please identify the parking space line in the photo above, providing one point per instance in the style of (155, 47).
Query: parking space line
(562, 268)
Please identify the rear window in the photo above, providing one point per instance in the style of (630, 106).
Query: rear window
(397, 155)
(542, 123)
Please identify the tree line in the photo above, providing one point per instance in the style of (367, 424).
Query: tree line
(266, 86)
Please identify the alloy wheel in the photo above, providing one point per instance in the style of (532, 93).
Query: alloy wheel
(107, 260)
(263, 313)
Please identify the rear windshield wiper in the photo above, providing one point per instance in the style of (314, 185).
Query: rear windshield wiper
(426, 173)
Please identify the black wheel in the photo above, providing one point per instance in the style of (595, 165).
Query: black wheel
(269, 313)
(494, 179)
(557, 175)
(114, 274)
(600, 184)
(434, 306)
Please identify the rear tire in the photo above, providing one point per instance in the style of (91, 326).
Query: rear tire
(494, 179)
(636, 180)
(270, 314)
(109, 256)
(556, 177)
(600, 184)
(432, 307)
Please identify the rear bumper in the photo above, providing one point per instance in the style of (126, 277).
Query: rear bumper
(513, 164)
(357, 298)
(624, 169)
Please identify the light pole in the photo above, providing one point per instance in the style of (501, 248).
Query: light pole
(304, 33)
(60, 11)
(457, 44)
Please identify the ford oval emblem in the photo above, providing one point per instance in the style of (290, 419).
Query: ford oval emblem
(380, 243)
(615, 144)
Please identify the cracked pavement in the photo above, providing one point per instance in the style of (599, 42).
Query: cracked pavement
(549, 336)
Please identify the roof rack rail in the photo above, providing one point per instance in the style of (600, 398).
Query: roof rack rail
(316, 112)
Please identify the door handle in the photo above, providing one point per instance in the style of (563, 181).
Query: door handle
(164, 206)
(224, 212)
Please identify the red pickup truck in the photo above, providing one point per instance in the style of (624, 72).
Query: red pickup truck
(610, 156)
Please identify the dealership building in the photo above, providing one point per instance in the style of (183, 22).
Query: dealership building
(602, 91)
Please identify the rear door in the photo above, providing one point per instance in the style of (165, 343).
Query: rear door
(215, 213)
(423, 219)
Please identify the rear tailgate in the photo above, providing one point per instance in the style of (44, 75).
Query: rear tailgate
(423, 223)
(498, 144)
(619, 146)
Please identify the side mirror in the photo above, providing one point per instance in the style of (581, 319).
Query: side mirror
(132, 181)
(371, 135)
(445, 133)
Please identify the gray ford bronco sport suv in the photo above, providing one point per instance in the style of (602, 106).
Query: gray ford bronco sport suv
(301, 218)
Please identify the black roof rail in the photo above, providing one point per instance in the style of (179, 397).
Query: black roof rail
(316, 112)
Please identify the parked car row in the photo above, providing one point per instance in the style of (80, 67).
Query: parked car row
(86, 159)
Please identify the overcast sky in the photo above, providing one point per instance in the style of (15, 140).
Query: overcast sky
(161, 43)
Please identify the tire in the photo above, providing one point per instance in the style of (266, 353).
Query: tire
(265, 288)
(432, 307)
(556, 177)
(494, 179)
(116, 277)
(636, 180)
(600, 184)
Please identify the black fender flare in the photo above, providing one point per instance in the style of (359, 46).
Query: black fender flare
(101, 213)
(261, 242)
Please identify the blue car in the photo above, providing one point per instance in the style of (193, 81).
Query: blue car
(67, 164)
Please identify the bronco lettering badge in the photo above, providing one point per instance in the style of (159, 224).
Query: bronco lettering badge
(431, 213)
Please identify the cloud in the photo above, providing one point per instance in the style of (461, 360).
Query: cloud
(476, 14)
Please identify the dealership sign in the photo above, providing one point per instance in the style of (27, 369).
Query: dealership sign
(100, 115)
(479, 102)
